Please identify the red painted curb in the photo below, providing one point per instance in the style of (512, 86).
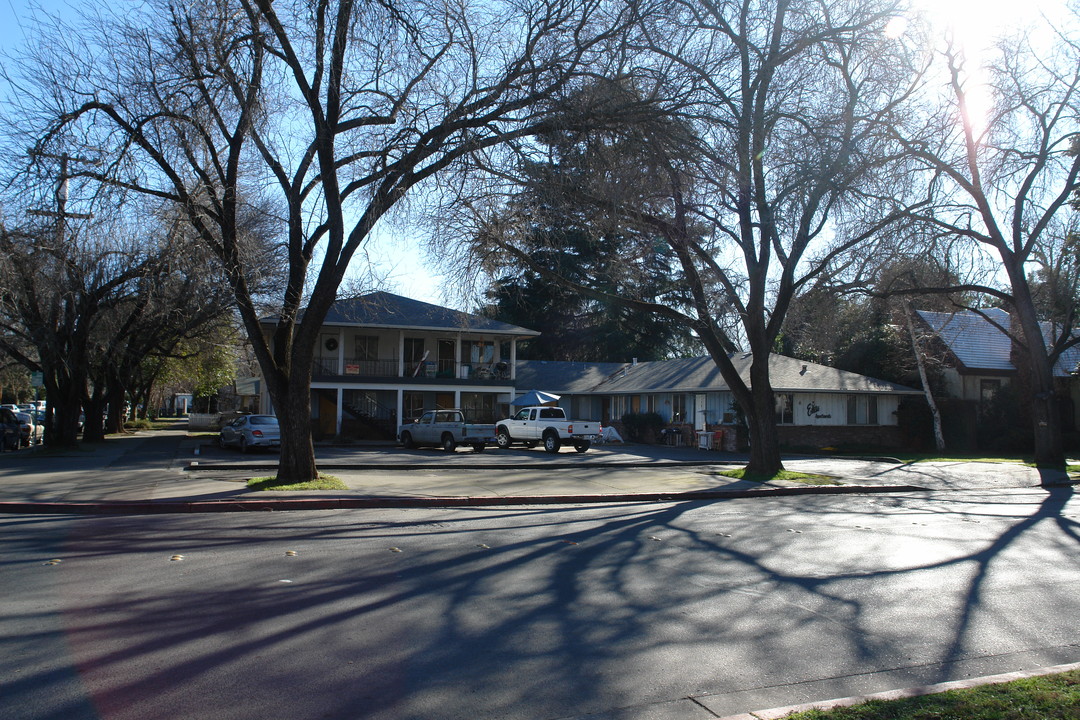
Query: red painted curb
(151, 507)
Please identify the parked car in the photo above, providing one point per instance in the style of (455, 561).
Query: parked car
(548, 425)
(10, 430)
(446, 429)
(30, 432)
(39, 418)
(251, 431)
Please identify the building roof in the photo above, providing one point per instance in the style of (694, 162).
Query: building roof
(699, 374)
(386, 310)
(972, 339)
(562, 378)
(979, 345)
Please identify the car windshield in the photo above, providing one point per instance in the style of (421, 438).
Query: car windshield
(264, 420)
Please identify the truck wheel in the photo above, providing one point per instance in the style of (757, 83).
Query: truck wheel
(407, 441)
(449, 444)
(582, 446)
(503, 439)
(551, 443)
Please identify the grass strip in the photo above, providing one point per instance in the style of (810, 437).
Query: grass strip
(323, 482)
(1047, 697)
(789, 475)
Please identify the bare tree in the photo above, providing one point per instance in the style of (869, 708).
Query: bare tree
(57, 290)
(1001, 179)
(766, 165)
(338, 110)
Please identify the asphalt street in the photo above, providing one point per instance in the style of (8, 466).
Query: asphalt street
(610, 611)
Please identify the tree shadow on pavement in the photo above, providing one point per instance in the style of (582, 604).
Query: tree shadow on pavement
(546, 612)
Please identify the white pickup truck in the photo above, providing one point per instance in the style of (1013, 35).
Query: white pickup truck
(446, 428)
(547, 425)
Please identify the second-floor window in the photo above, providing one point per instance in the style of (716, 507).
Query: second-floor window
(414, 350)
(367, 347)
(482, 352)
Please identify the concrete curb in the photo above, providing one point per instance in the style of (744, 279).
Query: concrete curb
(160, 507)
(783, 712)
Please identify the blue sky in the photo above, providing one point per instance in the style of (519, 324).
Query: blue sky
(397, 260)
(14, 16)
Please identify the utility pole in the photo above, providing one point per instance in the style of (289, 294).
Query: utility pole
(62, 191)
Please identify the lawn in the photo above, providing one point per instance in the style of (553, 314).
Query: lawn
(323, 482)
(1047, 697)
(789, 475)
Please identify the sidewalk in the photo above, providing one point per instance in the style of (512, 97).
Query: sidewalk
(173, 471)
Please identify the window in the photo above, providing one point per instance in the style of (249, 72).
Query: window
(862, 410)
(367, 347)
(412, 404)
(678, 408)
(785, 412)
(414, 350)
(479, 407)
(482, 352)
(987, 390)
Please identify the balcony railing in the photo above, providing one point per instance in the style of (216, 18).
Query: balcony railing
(426, 369)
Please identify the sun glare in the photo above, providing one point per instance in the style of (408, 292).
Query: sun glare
(974, 26)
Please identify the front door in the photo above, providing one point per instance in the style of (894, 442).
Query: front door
(444, 400)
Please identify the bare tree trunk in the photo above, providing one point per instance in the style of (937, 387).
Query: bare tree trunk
(93, 424)
(297, 462)
(65, 404)
(1049, 448)
(764, 438)
(293, 408)
(935, 412)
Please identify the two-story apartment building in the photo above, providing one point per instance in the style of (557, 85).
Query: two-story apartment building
(383, 359)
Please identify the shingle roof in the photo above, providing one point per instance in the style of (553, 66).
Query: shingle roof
(978, 345)
(383, 309)
(974, 341)
(562, 378)
(701, 374)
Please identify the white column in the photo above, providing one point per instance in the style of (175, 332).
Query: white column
(513, 359)
(458, 360)
(400, 405)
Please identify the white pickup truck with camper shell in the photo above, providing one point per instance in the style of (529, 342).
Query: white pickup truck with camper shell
(547, 425)
(446, 429)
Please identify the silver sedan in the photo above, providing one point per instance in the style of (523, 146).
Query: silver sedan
(251, 431)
